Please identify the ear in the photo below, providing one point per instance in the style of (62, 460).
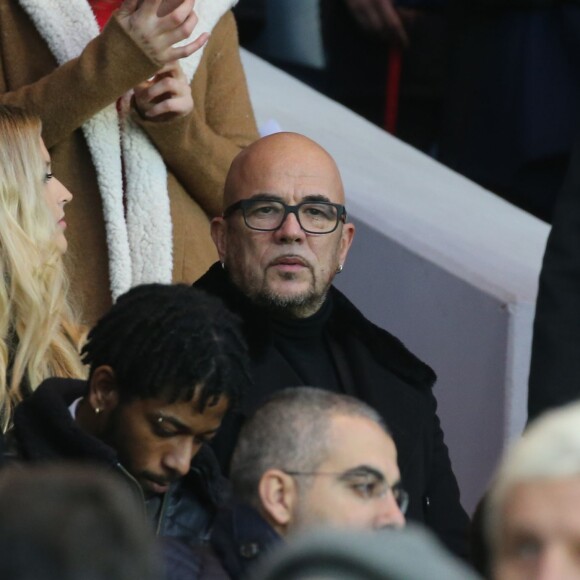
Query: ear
(103, 394)
(278, 498)
(219, 236)
(346, 237)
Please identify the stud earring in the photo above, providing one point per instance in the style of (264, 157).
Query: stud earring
(339, 269)
(98, 410)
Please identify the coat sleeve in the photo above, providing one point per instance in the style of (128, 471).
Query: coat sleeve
(555, 363)
(66, 97)
(198, 148)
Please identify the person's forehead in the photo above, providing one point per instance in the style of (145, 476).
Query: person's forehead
(547, 506)
(288, 174)
(355, 441)
(44, 151)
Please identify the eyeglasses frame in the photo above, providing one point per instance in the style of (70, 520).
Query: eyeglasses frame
(288, 209)
(397, 486)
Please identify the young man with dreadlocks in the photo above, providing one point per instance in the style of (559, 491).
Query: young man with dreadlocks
(165, 364)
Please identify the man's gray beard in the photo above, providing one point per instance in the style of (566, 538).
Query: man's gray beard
(299, 306)
(296, 306)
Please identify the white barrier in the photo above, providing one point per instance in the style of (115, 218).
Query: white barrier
(448, 267)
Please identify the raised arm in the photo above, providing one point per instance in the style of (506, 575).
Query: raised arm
(199, 147)
(132, 47)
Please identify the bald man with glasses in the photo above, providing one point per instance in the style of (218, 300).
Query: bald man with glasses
(282, 238)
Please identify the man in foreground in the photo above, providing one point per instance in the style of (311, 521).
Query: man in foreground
(307, 459)
(165, 364)
(533, 509)
(282, 238)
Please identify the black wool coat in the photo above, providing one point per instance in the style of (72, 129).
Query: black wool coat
(386, 376)
(555, 362)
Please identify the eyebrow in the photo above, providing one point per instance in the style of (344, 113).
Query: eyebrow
(175, 422)
(182, 426)
(363, 470)
(274, 197)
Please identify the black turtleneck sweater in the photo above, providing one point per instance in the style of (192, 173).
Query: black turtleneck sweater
(304, 344)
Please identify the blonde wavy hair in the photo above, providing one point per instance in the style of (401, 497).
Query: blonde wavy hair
(39, 336)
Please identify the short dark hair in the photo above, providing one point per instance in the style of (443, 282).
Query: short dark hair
(173, 342)
(64, 522)
(289, 431)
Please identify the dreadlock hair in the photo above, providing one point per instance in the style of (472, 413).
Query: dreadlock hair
(171, 342)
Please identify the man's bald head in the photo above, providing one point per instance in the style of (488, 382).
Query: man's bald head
(281, 154)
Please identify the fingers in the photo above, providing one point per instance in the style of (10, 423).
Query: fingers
(158, 25)
(166, 96)
(168, 86)
(170, 109)
(394, 24)
(379, 17)
(186, 50)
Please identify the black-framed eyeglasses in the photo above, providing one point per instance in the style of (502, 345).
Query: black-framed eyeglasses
(366, 482)
(268, 215)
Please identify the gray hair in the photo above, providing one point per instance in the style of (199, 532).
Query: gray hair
(549, 449)
(289, 432)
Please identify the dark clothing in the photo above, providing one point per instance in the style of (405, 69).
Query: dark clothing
(375, 367)
(357, 68)
(514, 85)
(302, 343)
(184, 561)
(555, 363)
(240, 536)
(44, 431)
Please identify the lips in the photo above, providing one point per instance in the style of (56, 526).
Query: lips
(290, 261)
(158, 486)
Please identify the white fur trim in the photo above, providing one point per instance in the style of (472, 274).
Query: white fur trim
(140, 247)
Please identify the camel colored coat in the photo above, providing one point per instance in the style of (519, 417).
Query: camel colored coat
(145, 219)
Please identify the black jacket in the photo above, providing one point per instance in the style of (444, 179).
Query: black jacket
(386, 376)
(555, 361)
(44, 431)
(240, 537)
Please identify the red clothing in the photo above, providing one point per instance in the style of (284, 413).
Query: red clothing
(103, 10)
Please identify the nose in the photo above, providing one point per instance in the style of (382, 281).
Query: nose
(290, 230)
(389, 513)
(178, 458)
(64, 195)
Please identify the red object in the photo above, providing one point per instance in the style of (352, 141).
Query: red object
(103, 9)
(392, 92)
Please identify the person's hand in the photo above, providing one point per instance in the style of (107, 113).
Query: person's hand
(166, 96)
(156, 25)
(381, 18)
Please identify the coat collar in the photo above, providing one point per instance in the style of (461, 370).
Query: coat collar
(346, 320)
(140, 246)
(240, 536)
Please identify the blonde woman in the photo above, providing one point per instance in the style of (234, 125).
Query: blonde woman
(38, 334)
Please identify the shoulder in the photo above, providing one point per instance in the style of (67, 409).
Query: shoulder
(347, 321)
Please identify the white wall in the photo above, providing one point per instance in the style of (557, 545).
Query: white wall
(445, 265)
